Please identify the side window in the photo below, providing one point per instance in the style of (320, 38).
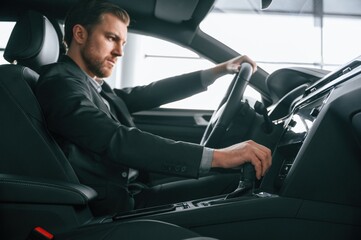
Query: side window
(147, 59)
(5, 29)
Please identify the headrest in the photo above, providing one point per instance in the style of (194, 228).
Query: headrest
(33, 42)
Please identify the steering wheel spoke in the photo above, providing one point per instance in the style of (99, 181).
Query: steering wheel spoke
(228, 107)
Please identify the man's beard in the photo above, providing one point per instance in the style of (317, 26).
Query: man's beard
(94, 65)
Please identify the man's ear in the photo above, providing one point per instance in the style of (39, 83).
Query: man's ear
(80, 34)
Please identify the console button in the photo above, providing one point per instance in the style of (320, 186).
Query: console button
(285, 169)
(314, 112)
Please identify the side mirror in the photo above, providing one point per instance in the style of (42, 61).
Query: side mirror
(265, 4)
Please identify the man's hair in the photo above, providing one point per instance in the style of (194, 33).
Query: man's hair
(88, 13)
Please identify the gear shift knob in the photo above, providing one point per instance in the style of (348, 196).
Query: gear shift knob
(246, 182)
(248, 173)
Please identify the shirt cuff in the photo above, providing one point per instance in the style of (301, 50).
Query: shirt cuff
(206, 161)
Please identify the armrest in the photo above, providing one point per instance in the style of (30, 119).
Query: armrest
(21, 189)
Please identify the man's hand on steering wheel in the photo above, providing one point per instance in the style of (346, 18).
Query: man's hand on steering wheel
(243, 66)
(233, 65)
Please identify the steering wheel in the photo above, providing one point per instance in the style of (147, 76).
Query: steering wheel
(227, 108)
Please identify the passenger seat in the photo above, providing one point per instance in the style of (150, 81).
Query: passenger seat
(38, 186)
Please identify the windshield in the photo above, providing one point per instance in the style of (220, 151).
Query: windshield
(309, 33)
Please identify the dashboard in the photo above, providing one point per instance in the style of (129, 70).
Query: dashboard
(314, 182)
(319, 151)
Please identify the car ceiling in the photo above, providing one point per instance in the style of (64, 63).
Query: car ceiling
(157, 17)
(189, 12)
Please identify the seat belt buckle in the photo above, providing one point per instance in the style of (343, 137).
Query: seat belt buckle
(40, 233)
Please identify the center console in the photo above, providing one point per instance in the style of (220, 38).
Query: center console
(318, 155)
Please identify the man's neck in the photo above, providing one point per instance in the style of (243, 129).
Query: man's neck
(75, 55)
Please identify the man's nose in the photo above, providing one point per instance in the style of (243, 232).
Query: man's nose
(118, 50)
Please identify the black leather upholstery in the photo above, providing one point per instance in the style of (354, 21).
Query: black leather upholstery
(37, 190)
(33, 42)
(26, 147)
(38, 187)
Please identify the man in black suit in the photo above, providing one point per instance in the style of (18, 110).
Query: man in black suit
(92, 122)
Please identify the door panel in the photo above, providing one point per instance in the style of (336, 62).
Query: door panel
(177, 124)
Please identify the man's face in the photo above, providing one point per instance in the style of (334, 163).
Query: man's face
(103, 46)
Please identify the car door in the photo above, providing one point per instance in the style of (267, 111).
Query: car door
(178, 124)
(148, 59)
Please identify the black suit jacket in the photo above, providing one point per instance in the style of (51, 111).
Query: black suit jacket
(102, 145)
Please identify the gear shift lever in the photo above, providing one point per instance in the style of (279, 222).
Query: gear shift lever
(246, 183)
(261, 109)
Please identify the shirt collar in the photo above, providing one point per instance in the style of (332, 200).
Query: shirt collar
(96, 84)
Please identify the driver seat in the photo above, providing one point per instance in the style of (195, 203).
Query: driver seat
(37, 184)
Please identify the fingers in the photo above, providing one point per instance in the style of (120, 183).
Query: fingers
(236, 62)
(249, 151)
(260, 158)
(233, 65)
(253, 63)
(265, 157)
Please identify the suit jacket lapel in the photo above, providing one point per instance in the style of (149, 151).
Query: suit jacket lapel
(99, 102)
(118, 105)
